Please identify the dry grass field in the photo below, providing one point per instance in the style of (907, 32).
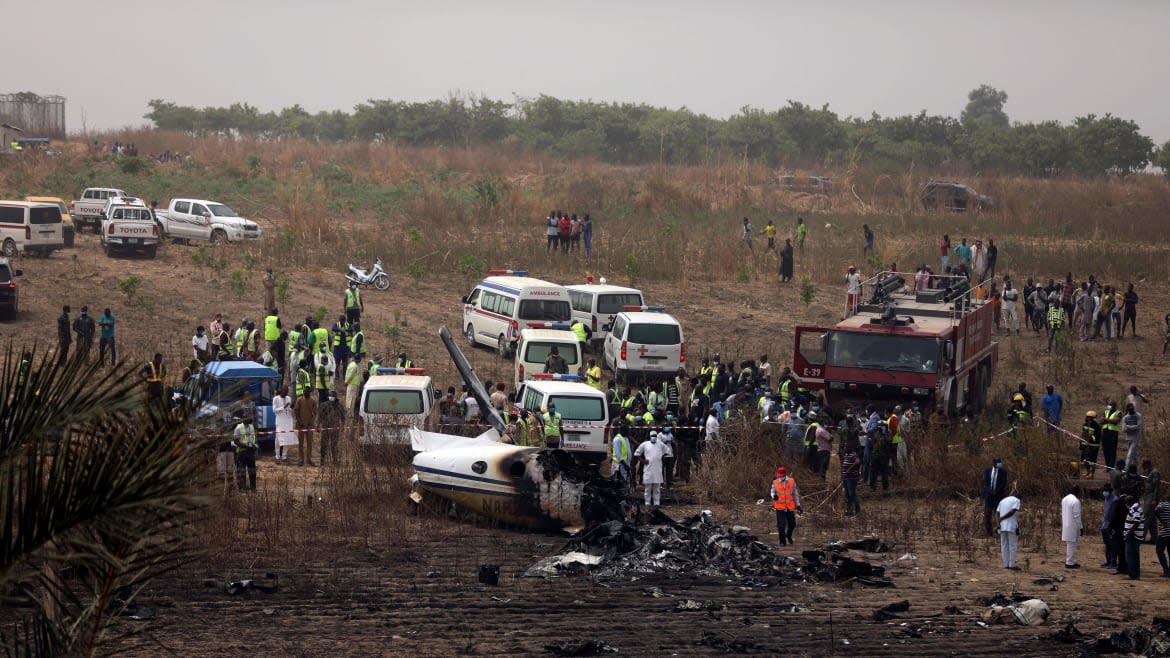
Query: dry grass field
(358, 574)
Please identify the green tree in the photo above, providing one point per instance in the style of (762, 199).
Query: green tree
(1111, 144)
(1162, 158)
(985, 108)
(93, 479)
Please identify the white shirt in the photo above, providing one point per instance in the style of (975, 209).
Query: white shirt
(1011, 524)
(853, 283)
(712, 426)
(199, 343)
(472, 409)
(653, 454)
(1070, 518)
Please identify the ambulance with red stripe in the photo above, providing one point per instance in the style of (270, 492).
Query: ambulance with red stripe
(505, 302)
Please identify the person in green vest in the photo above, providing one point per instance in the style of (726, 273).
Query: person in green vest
(581, 332)
(272, 327)
(244, 437)
(353, 303)
(353, 384)
(340, 331)
(357, 340)
(303, 381)
(552, 426)
(375, 363)
(810, 439)
(320, 338)
(801, 233)
(403, 361)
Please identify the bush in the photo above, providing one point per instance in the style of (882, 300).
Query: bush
(129, 287)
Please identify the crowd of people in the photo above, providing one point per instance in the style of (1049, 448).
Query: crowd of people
(567, 233)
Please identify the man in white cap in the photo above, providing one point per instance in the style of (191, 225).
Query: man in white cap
(652, 453)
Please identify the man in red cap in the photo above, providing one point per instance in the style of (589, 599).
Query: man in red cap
(786, 501)
(852, 290)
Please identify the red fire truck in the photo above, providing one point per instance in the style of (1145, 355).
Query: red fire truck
(933, 345)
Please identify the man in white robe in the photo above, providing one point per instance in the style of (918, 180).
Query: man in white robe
(1071, 526)
(652, 453)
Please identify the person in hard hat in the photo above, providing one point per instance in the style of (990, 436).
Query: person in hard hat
(852, 290)
(785, 497)
(1090, 444)
(1017, 415)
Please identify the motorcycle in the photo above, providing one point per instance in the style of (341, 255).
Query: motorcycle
(376, 277)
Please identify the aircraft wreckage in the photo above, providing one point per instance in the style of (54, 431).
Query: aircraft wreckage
(529, 487)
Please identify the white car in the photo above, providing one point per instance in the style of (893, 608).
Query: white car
(646, 344)
(534, 346)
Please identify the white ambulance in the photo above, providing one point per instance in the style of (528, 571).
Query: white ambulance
(535, 344)
(597, 304)
(506, 302)
(393, 401)
(583, 409)
(645, 342)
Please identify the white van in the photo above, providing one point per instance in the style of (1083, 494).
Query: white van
(583, 409)
(34, 228)
(596, 305)
(505, 302)
(645, 343)
(535, 344)
(393, 401)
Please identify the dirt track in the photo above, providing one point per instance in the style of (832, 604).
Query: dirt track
(422, 597)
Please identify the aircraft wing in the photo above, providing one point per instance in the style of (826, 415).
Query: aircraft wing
(464, 367)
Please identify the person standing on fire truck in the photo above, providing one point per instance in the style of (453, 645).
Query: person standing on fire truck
(852, 290)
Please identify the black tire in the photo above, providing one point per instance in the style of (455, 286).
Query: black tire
(10, 249)
(382, 282)
(469, 334)
(109, 249)
(152, 251)
(218, 237)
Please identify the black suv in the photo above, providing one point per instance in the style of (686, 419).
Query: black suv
(8, 295)
(954, 197)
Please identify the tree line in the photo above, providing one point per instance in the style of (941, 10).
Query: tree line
(983, 139)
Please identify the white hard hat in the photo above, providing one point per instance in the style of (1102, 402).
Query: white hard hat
(602, 280)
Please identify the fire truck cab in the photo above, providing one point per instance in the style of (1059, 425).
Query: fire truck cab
(934, 345)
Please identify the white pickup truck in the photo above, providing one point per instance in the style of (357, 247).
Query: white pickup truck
(128, 225)
(203, 220)
(87, 211)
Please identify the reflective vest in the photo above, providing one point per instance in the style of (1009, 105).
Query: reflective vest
(648, 417)
(308, 336)
(21, 378)
(621, 449)
(303, 383)
(251, 344)
(353, 298)
(341, 334)
(593, 377)
(294, 339)
(241, 338)
(156, 372)
(324, 372)
(245, 436)
(1055, 316)
(1089, 434)
(357, 343)
(320, 337)
(784, 389)
(353, 374)
(578, 328)
(404, 363)
(552, 424)
(785, 493)
(707, 378)
(810, 434)
(271, 328)
(373, 368)
(1111, 420)
(895, 426)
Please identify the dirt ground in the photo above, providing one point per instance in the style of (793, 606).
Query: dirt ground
(420, 596)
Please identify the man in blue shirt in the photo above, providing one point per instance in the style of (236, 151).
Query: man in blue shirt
(1052, 404)
(106, 338)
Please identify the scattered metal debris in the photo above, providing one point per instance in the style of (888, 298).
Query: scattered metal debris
(692, 605)
(1069, 634)
(580, 648)
(1141, 640)
(724, 644)
(697, 546)
(235, 587)
(489, 574)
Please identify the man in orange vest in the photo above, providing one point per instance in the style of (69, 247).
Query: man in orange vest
(786, 501)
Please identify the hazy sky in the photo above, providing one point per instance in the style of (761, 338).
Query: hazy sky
(1055, 59)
